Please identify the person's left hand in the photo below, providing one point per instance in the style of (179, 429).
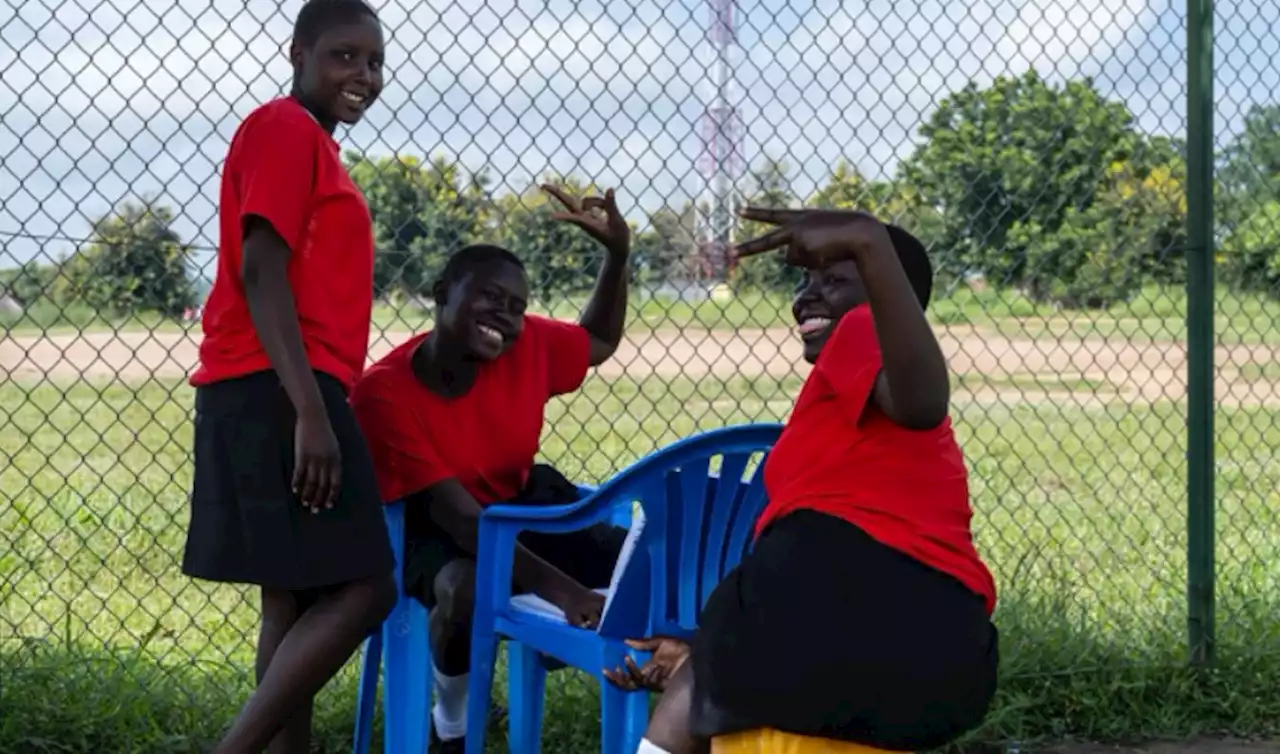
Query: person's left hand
(668, 655)
(814, 238)
(598, 216)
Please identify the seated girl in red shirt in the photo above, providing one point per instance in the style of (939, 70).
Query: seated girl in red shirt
(454, 417)
(862, 614)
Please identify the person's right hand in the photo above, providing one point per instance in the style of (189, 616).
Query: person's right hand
(317, 462)
(582, 607)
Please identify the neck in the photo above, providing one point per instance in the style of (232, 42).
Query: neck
(443, 367)
(326, 122)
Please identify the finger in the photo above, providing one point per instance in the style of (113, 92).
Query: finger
(310, 483)
(561, 196)
(611, 202)
(768, 242)
(335, 483)
(591, 203)
(644, 645)
(620, 679)
(580, 220)
(767, 215)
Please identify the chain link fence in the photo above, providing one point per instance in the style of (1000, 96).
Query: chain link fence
(1040, 148)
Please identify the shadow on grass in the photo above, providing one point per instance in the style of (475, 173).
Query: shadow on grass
(1062, 679)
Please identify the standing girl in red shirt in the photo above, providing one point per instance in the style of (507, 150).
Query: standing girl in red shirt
(284, 495)
(862, 614)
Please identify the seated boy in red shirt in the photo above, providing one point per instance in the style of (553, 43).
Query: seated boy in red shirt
(454, 417)
(862, 614)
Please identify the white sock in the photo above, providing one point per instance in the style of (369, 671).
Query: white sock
(648, 747)
(449, 714)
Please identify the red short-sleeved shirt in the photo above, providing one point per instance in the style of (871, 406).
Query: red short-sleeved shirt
(285, 168)
(487, 438)
(840, 455)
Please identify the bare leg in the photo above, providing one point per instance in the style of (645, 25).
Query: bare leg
(450, 621)
(670, 728)
(311, 652)
(280, 610)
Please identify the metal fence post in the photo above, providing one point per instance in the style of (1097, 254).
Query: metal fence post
(1200, 332)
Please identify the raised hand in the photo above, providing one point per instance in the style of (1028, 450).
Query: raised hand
(814, 238)
(598, 216)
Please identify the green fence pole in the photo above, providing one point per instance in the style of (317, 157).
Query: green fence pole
(1200, 335)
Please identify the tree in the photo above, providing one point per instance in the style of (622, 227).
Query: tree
(1022, 153)
(770, 187)
(134, 262)
(560, 259)
(1250, 174)
(666, 248)
(1251, 252)
(422, 213)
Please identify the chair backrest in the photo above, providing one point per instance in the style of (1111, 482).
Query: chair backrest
(701, 497)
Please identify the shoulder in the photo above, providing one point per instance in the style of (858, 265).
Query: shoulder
(388, 376)
(282, 117)
(540, 328)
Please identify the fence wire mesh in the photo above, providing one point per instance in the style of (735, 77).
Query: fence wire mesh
(1037, 148)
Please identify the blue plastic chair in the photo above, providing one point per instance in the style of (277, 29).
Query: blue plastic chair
(698, 526)
(407, 676)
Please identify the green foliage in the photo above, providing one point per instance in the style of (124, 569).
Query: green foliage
(422, 213)
(1251, 253)
(771, 188)
(134, 262)
(560, 258)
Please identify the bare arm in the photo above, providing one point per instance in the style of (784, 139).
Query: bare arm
(275, 316)
(453, 509)
(913, 388)
(606, 311)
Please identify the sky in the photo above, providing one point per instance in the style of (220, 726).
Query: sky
(123, 98)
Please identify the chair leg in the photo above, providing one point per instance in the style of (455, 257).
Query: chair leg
(484, 655)
(526, 691)
(407, 679)
(370, 666)
(624, 715)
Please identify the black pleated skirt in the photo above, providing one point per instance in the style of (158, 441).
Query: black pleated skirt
(246, 525)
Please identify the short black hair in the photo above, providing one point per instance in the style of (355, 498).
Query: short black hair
(915, 261)
(318, 16)
(468, 258)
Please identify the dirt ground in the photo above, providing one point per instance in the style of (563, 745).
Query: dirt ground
(991, 367)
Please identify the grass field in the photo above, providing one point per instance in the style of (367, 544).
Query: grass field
(1153, 315)
(106, 647)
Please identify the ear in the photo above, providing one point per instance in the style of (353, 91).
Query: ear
(295, 57)
(440, 292)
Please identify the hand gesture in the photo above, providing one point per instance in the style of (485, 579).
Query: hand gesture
(814, 238)
(583, 608)
(610, 229)
(668, 655)
(317, 464)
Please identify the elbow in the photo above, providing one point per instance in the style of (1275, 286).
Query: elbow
(924, 416)
(603, 349)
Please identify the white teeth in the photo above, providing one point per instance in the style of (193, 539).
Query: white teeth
(355, 98)
(489, 332)
(813, 325)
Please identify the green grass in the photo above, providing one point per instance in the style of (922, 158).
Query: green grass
(1154, 314)
(106, 647)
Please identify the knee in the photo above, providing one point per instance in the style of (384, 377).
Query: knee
(454, 589)
(384, 596)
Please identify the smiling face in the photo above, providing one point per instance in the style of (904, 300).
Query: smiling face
(824, 296)
(482, 312)
(340, 74)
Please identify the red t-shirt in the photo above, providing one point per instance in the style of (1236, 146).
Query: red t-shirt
(840, 455)
(285, 168)
(487, 438)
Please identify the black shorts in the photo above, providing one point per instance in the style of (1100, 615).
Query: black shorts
(823, 631)
(247, 526)
(587, 556)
